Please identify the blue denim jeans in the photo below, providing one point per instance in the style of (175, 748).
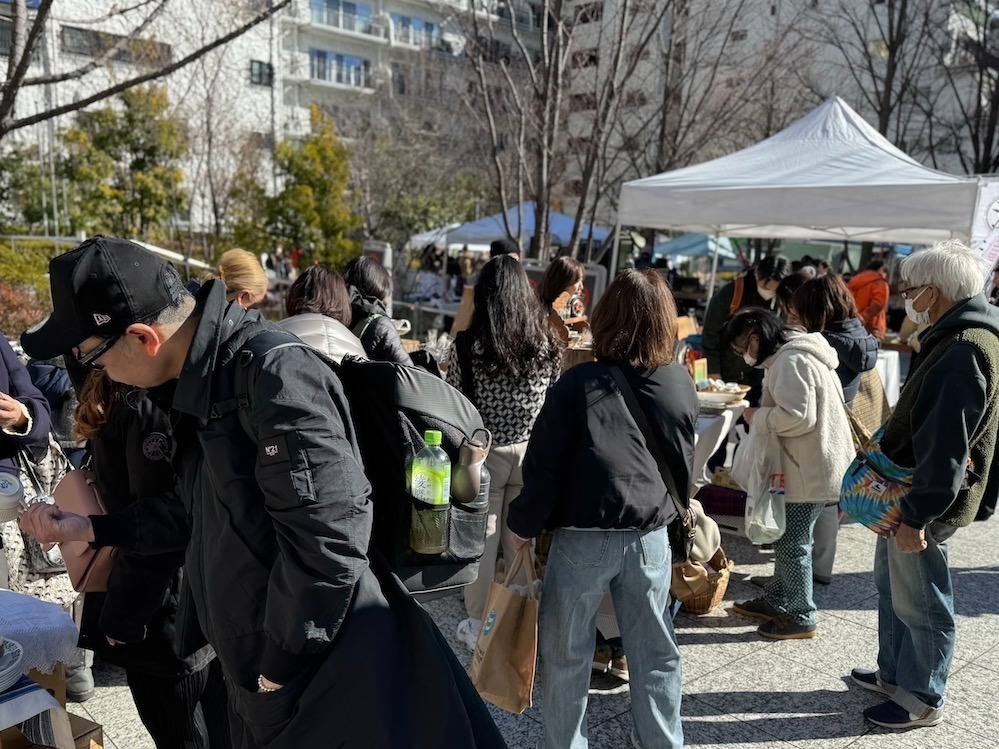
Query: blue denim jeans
(636, 567)
(915, 619)
(791, 589)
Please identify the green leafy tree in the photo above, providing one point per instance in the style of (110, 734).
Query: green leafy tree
(21, 184)
(123, 165)
(311, 209)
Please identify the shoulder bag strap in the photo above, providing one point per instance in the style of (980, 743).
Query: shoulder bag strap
(651, 442)
(740, 282)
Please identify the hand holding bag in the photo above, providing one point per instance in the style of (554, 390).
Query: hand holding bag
(88, 568)
(507, 649)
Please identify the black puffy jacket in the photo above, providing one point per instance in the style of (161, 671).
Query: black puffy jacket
(370, 322)
(149, 524)
(857, 351)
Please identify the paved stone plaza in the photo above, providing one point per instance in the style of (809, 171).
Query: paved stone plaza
(742, 691)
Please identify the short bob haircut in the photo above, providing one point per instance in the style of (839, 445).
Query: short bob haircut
(369, 277)
(561, 274)
(823, 300)
(957, 271)
(635, 321)
(320, 290)
(763, 323)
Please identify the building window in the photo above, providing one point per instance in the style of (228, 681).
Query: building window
(585, 58)
(92, 43)
(635, 99)
(582, 102)
(261, 73)
(346, 70)
(739, 35)
(342, 15)
(591, 13)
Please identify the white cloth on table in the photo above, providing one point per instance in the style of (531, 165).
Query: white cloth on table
(45, 631)
(710, 433)
(890, 370)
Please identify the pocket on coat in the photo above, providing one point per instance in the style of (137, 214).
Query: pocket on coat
(267, 714)
(582, 549)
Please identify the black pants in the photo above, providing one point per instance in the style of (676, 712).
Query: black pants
(187, 712)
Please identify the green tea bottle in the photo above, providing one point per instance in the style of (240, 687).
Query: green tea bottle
(431, 473)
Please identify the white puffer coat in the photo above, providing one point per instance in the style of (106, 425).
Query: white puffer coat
(330, 336)
(803, 406)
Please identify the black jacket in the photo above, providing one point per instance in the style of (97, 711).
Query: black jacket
(587, 465)
(379, 337)
(857, 351)
(15, 382)
(148, 523)
(721, 359)
(277, 564)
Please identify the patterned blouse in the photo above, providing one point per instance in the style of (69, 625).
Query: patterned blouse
(509, 405)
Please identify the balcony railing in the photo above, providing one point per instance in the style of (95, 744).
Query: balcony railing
(417, 37)
(340, 20)
(342, 75)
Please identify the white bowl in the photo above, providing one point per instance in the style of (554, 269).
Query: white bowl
(708, 396)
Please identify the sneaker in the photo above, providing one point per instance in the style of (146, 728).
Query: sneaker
(80, 696)
(468, 632)
(864, 677)
(761, 581)
(786, 628)
(619, 665)
(602, 655)
(892, 715)
(758, 608)
(821, 580)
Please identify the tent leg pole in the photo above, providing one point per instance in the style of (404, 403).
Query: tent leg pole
(714, 268)
(615, 252)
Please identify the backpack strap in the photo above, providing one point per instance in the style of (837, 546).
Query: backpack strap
(362, 327)
(740, 282)
(260, 345)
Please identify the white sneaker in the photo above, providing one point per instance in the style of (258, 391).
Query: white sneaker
(468, 632)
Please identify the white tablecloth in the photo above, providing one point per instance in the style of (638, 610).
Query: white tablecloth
(711, 433)
(890, 370)
(46, 632)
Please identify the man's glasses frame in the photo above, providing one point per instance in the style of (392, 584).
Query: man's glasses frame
(90, 358)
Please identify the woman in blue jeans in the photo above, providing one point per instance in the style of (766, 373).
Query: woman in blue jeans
(589, 476)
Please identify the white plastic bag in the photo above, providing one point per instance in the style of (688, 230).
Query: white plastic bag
(747, 454)
(765, 520)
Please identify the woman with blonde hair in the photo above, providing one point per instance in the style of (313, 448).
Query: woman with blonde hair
(244, 278)
(591, 478)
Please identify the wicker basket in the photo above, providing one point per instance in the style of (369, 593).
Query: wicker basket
(709, 600)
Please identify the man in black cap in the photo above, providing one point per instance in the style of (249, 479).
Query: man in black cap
(272, 477)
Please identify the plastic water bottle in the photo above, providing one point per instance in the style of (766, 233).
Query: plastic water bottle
(431, 482)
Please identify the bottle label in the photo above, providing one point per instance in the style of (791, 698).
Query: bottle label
(431, 486)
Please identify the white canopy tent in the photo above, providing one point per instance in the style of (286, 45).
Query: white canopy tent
(830, 175)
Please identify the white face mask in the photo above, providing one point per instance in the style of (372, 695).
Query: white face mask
(749, 359)
(920, 318)
(766, 294)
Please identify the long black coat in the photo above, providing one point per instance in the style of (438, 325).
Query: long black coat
(278, 565)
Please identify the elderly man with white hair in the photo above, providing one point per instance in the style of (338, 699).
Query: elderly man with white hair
(943, 428)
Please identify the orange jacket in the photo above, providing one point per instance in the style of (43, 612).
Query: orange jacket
(871, 292)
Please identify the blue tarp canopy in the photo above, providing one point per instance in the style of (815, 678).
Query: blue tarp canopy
(490, 228)
(695, 245)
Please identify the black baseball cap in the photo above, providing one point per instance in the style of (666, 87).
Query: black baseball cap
(99, 289)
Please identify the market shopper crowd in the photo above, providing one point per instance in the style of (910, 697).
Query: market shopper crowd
(246, 594)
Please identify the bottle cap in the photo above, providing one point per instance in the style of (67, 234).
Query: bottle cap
(433, 437)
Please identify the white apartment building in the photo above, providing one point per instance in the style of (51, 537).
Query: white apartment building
(361, 61)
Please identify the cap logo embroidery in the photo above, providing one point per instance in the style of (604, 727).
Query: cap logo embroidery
(101, 319)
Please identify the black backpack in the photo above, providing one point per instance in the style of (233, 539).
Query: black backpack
(392, 405)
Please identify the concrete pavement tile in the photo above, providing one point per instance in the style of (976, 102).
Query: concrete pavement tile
(945, 736)
(114, 709)
(705, 648)
(786, 700)
(840, 647)
(522, 735)
(970, 701)
(847, 591)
